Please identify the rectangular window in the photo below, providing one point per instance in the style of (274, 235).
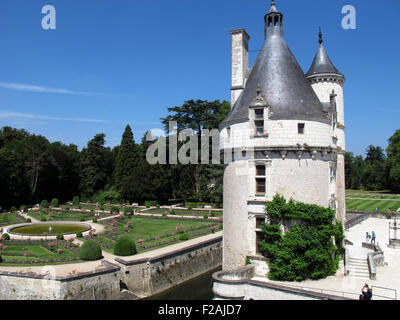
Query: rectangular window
(259, 114)
(260, 186)
(260, 180)
(259, 127)
(300, 128)
(259, 121)
(259, 221)
(260, 170)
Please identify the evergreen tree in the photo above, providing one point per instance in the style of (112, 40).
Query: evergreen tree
(93, 172)
(126, 160)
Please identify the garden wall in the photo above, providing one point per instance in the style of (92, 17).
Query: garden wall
(150, 276)
(97, 285)
(125, 280)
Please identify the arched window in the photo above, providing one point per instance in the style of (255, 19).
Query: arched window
(276, 21)
(269, 21)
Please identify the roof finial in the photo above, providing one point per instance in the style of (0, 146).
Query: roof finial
(320, 36)
(273, 8)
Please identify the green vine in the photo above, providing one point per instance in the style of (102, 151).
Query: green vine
(306, 250)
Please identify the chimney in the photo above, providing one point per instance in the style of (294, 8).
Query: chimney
(240, 62)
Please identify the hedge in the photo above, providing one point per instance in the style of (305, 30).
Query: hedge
(125, 247)
(90, 251)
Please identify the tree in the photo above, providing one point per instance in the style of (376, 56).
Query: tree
(393, 162)
(93, 171)
(198, 115)
(373, 175)
(126, 160)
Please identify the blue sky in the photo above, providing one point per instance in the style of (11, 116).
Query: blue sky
(114, 62)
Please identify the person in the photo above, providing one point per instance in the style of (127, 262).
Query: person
(366, 293)
(366, 237)
(376, 209)
(373, 237)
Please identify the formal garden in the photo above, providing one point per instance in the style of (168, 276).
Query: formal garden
(149, 233)
(37, 253)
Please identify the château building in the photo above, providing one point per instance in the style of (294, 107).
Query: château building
(284, 135)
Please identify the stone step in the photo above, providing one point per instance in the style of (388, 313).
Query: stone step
(358, 263)
(358, 266)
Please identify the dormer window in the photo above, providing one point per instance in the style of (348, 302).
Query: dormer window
(259, 121)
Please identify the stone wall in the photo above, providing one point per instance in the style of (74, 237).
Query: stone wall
(125, 280)
(239, 285)
(97, 285)
(150, 276)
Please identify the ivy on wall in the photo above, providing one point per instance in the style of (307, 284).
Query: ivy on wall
(307, 250)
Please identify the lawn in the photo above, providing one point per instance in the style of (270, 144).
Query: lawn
(7, 219)
(38, 253)
(182, 212)
(54, 215)
(151, 233)
(370, 205)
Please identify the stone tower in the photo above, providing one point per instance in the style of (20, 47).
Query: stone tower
(284, 135)
(327, 83)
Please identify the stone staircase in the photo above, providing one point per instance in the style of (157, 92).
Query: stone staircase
(358, 268)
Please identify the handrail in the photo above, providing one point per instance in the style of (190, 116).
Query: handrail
(385, 288)
(325, 291)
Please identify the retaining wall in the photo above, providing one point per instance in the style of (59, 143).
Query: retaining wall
(149, 276)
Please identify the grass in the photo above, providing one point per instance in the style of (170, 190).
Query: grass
(145, 228)
(7, 219)
(28, 253)
(370, 205)
(64, 216)
(368, 201)
(179, 212)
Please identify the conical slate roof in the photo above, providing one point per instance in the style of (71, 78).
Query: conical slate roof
(322, 64)
(282, 81)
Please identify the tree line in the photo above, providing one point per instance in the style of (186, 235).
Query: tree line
(379, 170)
(32, 169)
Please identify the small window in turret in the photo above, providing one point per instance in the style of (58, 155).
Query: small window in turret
(300, 128)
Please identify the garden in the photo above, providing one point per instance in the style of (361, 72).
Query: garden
(124, 234)
(24, 252)
(183, 212)
(149, 233)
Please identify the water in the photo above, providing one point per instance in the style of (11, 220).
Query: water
(199, 288)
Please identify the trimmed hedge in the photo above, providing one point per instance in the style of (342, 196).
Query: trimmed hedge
(90, 251)
(184, 237)
(75, 200)
(55, 203)
(44, 204)
(125, 247)
(6, 236)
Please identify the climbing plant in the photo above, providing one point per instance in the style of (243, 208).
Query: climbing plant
(310, 249)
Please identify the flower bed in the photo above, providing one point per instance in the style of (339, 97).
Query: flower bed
(37, 252)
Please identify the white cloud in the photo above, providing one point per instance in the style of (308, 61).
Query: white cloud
(40, 89)
(6, 115)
